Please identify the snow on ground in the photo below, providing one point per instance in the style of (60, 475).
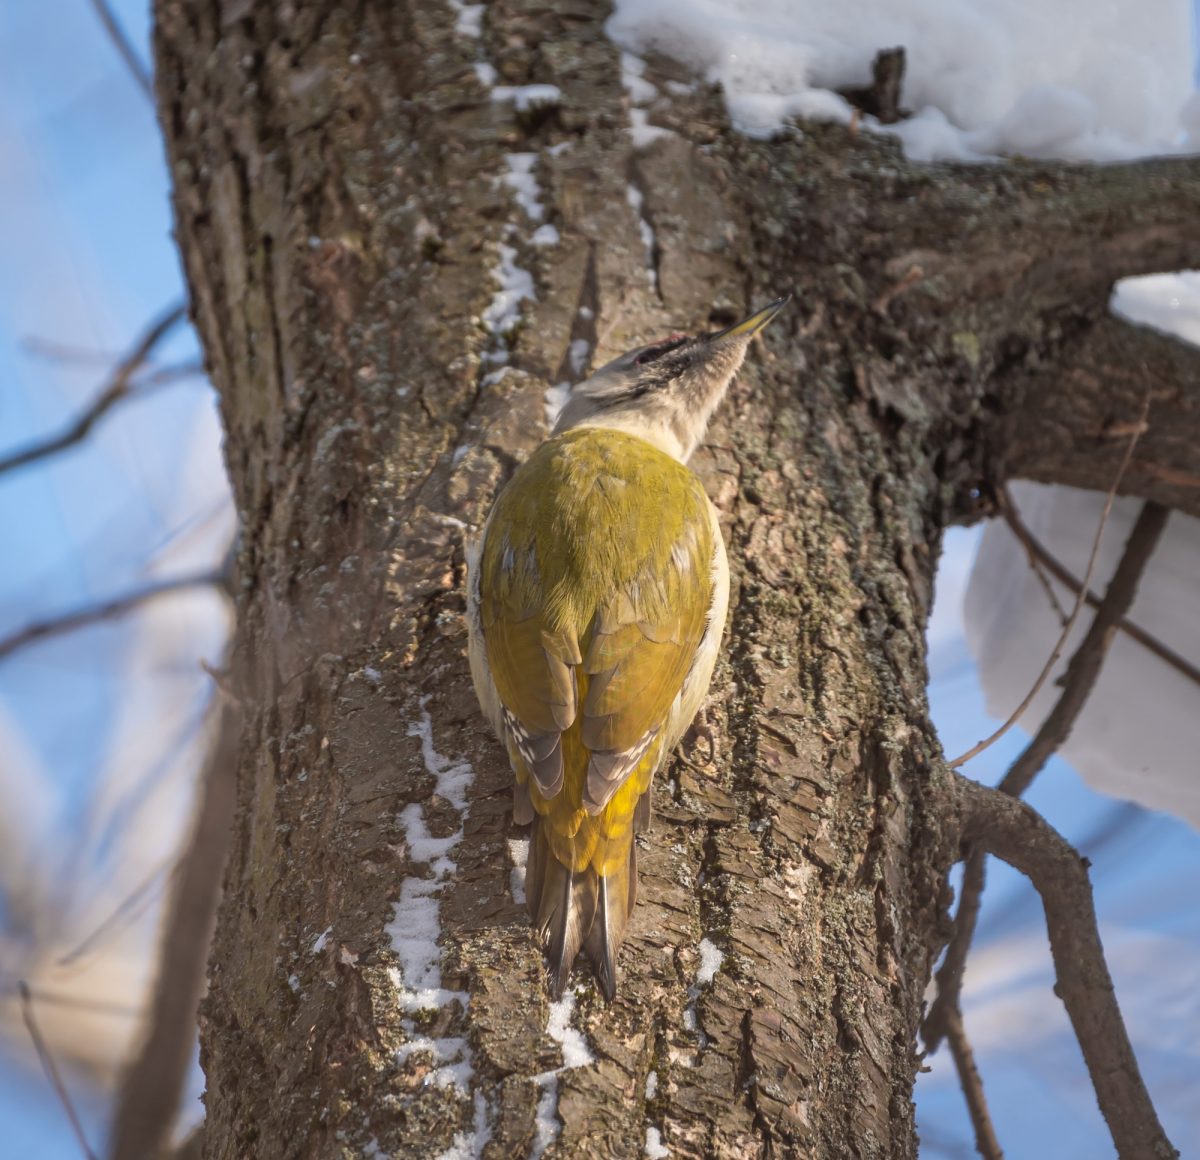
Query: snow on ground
(1069, 79)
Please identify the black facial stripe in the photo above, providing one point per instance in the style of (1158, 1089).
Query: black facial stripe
(659, 349)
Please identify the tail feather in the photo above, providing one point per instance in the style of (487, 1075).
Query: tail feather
(575, 910)
(614, 905)
(522, 803)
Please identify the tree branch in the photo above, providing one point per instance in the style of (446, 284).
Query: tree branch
(107, 610)
(1080, 679)
(120, 41)
(112, 921)
(149, 1098)
(119, 387)
(51, 1069)
(1015, 833)
(1067, 428)
(1084, 667)
(986, 1143)
(1064, 636)
(1038, 554)
(50, 998)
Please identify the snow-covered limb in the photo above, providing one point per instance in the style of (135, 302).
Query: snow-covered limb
(1040, 556)
(1058, 80)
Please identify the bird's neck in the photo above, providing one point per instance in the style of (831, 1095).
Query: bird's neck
(675, 431)
(658, 433)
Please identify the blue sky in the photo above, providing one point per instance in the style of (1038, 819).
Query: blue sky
(88, 260)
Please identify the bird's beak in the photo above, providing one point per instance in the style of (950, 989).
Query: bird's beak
(750, 326)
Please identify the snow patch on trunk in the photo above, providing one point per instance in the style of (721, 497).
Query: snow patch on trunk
(575, 1053)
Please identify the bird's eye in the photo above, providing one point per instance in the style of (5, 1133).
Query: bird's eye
(658, 349)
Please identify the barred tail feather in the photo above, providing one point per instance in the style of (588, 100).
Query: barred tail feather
(575, 910)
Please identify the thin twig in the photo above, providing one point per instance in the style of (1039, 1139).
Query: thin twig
(1038, 552)
(117, 388)
(987, 742)
(1079, 681)
(911, 277)
(986, 1143)
(121, 912)
(66, 352)
(1084, 667)
(1036, 565)
(51, 1070)
(1018, 835)
(121, 42)
(151, 1088)
(10, 989)
(106, 610)
(948, 1000)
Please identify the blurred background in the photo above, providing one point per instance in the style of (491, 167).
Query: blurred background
(112, 608)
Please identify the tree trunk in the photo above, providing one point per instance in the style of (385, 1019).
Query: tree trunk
(341, 206)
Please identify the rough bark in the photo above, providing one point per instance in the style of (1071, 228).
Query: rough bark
(339, 199)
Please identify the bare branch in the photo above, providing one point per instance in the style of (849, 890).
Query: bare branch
(1080, 679)
(119, 387)
(1038, 553)
(121, 42)
(123, 910)
(1036, 564)
(151, 1090)
(986, 1143)
(1085, 665)
(10, 989)
(51, 1069)
(106, 610)
(948, 1002)
(1015, 833)
(1064, 636)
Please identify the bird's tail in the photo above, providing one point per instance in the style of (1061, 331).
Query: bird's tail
(581, 909)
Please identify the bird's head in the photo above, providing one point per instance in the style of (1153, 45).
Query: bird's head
(666, 391)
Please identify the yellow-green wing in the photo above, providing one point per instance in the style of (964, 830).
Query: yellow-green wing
(595, 591)
(642, 645)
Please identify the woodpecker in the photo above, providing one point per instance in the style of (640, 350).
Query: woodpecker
(596, 600)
